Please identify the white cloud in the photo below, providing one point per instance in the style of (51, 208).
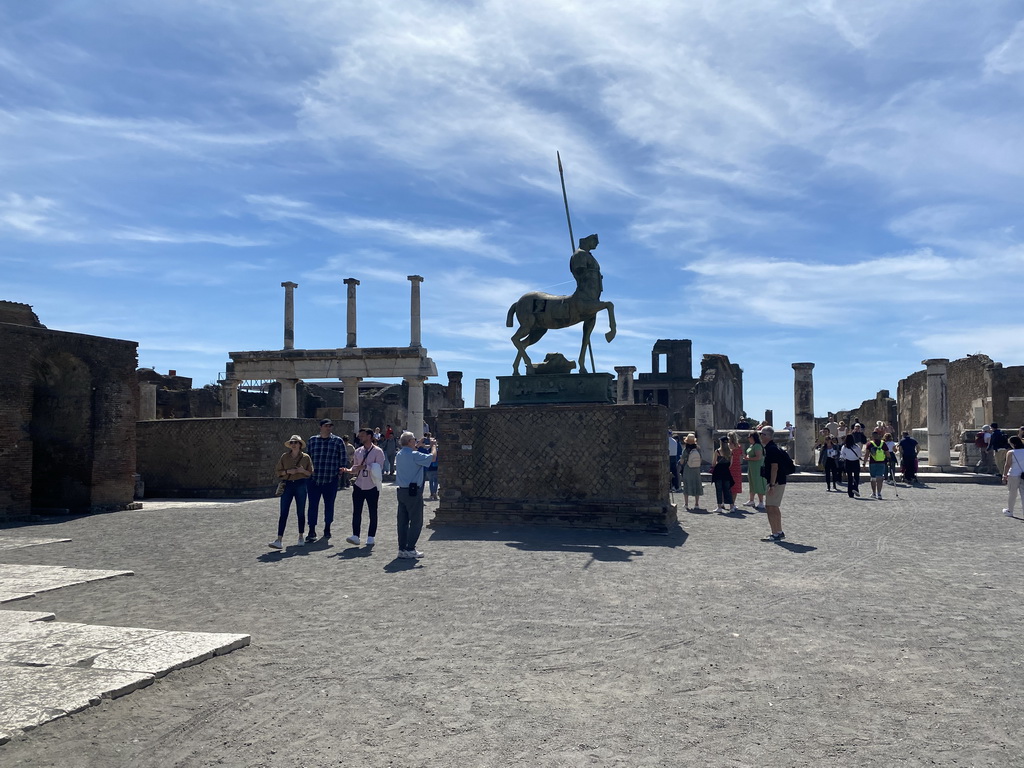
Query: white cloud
(153, 235)
(1007, 58)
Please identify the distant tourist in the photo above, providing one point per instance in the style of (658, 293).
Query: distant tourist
(430, 473)
(1012, 470)
(346, 479)
(998, 445)
(841, 432)
(390, 447)
(675, 450)
(830, 463)
(736, 464)
(908, 458)
(743, 424)
(293, 469)
(986, 464)
(890, 458)
(776, 464)
(721, 476)
(331, 459)
(409, 479)
(876, 458)
(850, 456)
(858, 434)
(691, 461)
(755, 480)
(832, 426)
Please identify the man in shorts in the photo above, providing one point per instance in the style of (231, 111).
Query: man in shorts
(774, 461)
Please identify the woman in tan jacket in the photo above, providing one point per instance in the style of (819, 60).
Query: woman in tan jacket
(293, 468)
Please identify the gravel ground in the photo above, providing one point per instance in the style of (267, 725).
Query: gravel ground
(880, 633)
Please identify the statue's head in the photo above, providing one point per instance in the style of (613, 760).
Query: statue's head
(589, 242)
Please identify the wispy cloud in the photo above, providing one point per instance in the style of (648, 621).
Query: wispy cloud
(144, 235)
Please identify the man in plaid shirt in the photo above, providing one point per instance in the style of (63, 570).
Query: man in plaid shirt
(330, 459)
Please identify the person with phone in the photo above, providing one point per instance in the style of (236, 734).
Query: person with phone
(409, 479)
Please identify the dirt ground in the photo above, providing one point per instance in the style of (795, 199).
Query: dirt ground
(882, 633)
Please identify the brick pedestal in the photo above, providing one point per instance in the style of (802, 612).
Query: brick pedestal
(578, 466)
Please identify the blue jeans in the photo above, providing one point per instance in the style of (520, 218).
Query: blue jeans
(293, 489)
(329, 491)
(431, 477)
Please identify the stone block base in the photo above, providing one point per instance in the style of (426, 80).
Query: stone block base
(549, 388)
(577, 466)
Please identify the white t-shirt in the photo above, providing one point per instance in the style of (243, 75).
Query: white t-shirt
(1017, 462)
(849, 454)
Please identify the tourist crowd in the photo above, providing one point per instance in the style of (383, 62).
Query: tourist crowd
(315, 469)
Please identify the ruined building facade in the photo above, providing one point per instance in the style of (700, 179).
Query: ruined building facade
(67, 418)
(671, 383)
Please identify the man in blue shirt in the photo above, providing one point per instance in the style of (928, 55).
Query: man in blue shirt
(908, 450)
(330, 459)
(409, 479)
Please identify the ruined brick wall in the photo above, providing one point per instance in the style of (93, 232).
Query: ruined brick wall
(1007, 406)
(593, 466)
(967, 382)
(19, 314)
(67, 420)
(217, 458)
(726, 388)
(881, 408)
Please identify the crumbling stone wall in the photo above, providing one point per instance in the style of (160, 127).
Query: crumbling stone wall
(881, 408)
(726, 382)
(590, 466)
(67, 418)
(217, 458)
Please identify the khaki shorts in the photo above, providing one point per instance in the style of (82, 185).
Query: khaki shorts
(774, 497)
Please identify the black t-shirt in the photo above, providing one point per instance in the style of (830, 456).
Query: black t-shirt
(909, 447)
(998, 441)
(859, 437)
(773, 455)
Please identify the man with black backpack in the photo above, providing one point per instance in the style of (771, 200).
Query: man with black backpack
(777, 466)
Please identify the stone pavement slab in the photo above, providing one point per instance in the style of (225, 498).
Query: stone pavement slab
(21, 581)
(17, 542)
(51, 668)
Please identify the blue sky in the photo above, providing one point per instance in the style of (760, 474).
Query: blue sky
(778, 180)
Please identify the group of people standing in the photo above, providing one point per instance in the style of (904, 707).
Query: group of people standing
(313, 471)
(878, 454)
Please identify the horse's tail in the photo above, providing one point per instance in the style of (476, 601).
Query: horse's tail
(511, 313)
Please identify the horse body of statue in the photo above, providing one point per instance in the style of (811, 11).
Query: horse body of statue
(539, 312)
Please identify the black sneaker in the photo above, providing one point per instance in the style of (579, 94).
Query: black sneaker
(774, 536)
(327, 533)
(312, 536)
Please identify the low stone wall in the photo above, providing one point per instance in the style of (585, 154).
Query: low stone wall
(217, 458)
(586, 466)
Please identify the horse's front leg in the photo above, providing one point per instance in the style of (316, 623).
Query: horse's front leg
(588, 327)
(611, 321)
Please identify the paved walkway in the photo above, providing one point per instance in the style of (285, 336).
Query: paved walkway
(879, 633)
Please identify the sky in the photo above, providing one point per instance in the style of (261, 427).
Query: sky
(778, 180)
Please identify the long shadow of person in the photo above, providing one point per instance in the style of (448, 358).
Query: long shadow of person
(797, 549)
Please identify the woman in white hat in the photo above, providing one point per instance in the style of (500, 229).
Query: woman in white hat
(293, 469)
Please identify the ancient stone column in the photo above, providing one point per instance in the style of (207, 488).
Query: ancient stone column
(415, 418)
(289, 399)
(768, 416)
(350, 402)
(147, 401)
(704, 419)
(482, 396)
(350, 341)
(938, 413)
(414, 311)
(289, 314)
(624, 384)
(455, 389)
(803, 414)
(229, 398)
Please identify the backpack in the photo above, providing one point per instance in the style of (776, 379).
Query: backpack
(786, 466)
(979, 440)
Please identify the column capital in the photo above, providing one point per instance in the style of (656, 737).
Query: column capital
(624, 369)
(289, 284)
(350, 281)
(415, 380)
(803, 366)
(936, 361)
(229, 382)
(414, 278)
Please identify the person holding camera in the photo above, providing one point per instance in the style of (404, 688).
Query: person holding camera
(409, 479)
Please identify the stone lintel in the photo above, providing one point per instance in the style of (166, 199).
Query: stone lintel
(936, 361)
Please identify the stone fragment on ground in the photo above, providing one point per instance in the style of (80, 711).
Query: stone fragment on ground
(20, 581)
(16, 542)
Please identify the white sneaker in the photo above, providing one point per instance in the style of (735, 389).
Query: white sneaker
(276, 543)
(750, 504)
(404, 554)
(719, 509)
(370, 540)
(414, 553)
(302, 540)
(760, 507)
(1006, 512)
(353, 539)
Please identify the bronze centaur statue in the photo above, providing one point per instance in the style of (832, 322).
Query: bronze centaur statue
(539, 312)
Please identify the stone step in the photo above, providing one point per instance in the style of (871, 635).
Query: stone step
(928, 476)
